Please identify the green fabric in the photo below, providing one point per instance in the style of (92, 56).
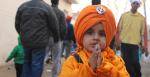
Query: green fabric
(17, 53)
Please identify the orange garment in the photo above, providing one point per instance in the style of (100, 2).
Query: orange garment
(71, 68)
(111, 66)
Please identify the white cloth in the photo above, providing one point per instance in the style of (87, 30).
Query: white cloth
(131, 1)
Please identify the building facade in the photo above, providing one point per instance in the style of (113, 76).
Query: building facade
(8, 34)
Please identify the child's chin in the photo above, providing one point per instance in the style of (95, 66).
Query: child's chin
(90, 51)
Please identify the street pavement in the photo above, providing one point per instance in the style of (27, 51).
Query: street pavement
(145, 65)
(5, 72)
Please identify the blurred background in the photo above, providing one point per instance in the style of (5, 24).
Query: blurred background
(8, 8)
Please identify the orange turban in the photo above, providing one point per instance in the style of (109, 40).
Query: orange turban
(92, 15)
(68, 18)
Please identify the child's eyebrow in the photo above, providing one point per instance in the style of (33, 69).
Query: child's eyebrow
(89, 29)
(102, 31)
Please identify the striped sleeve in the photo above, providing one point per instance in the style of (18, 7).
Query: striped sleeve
(118, 31)
(144, 33)
(144, 37)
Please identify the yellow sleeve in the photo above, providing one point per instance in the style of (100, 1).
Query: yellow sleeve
(143, 27)
(109, 70)
(71, 68)
(120, 23)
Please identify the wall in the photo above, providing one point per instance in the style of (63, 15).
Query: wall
(8, 34)
(64, 5)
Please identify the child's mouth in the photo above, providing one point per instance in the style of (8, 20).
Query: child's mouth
(93, 45)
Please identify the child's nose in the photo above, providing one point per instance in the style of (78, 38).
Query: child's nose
(96, 37)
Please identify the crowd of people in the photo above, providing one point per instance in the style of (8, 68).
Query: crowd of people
(43, 28)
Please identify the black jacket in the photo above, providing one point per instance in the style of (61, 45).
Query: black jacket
(61, 20)
(34, 21)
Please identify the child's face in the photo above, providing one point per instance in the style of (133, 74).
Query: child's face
(94, 35)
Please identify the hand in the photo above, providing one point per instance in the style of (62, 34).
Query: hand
(118, 47)
(75, 45)
(145, 51)
(94, 58)
(6, 61)
(99, 60)
(55, 41)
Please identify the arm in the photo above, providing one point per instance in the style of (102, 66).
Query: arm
(119, 26)
(13, 54)
(62, 26)
(72, 34)
(144, 35)
(71, 68)
(53, 23)
(18, 21)
(108, 70)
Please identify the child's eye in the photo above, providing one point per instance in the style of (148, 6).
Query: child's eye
(90, 32)
(102, 34)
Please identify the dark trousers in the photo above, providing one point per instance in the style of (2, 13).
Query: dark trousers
(18, 68)
(131, 58)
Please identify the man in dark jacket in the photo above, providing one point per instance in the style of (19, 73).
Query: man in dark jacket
(56, 47)
(67, 43)
(34, 20)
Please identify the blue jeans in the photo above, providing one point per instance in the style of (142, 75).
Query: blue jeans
(66, 44)
(33, 62)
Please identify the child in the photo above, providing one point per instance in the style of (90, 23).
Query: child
(18, 56)
(94, 30)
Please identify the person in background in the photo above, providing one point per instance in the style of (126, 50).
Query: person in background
(130, 31)
(18, 56)
(67, 42)
(34, 22)
(56, 47)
